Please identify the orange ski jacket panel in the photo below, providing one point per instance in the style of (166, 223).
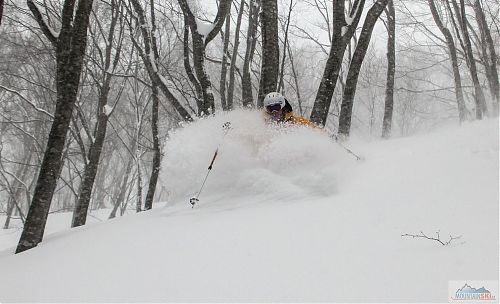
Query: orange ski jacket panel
(299, 120)
(292, 119)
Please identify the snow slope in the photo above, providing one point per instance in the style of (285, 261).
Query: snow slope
(286, 215)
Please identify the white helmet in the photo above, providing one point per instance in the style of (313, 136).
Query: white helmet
(274, 98)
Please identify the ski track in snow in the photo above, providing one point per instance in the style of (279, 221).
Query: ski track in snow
(286, 215)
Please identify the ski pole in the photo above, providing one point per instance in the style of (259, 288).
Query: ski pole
(349, 151)
(345, 148)
(226, 127)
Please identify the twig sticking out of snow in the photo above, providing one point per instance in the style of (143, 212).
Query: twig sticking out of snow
(437, 238)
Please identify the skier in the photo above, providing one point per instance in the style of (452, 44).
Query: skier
(279, 110)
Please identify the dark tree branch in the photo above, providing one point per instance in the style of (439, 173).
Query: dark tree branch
(41, 22)
(437, 238)
(224, 7)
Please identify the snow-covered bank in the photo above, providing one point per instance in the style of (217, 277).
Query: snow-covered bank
(286, 216)
(56, 222)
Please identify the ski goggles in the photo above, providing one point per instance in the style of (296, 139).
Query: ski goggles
(273, 108)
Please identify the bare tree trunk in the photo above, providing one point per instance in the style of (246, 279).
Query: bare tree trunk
(70, 47)
(391, 69)
(100, 182)
(342, 33)
(15, 189)
(296, 80)
(15, 192)
(223, 69)
(155, 170)
(94, 154)
(138, 206)
(151, 66)
(187, 66)
(459, 95)
(354, 68)
(232, 67)
(1, 10)
(200, 42)
(270, 49)
(123, 207)
(246, 80)
(481, 108)
(285, 48)
(208, 105)
(491, 58)
(123, 187)
(139, 116)
(8, 215)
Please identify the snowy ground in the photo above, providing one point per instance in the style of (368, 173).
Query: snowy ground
(285, 216)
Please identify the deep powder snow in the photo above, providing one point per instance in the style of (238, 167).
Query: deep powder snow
(286, 215)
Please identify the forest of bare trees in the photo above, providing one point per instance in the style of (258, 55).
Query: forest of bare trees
(89, 89)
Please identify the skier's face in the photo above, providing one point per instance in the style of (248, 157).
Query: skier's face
(275, 112)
